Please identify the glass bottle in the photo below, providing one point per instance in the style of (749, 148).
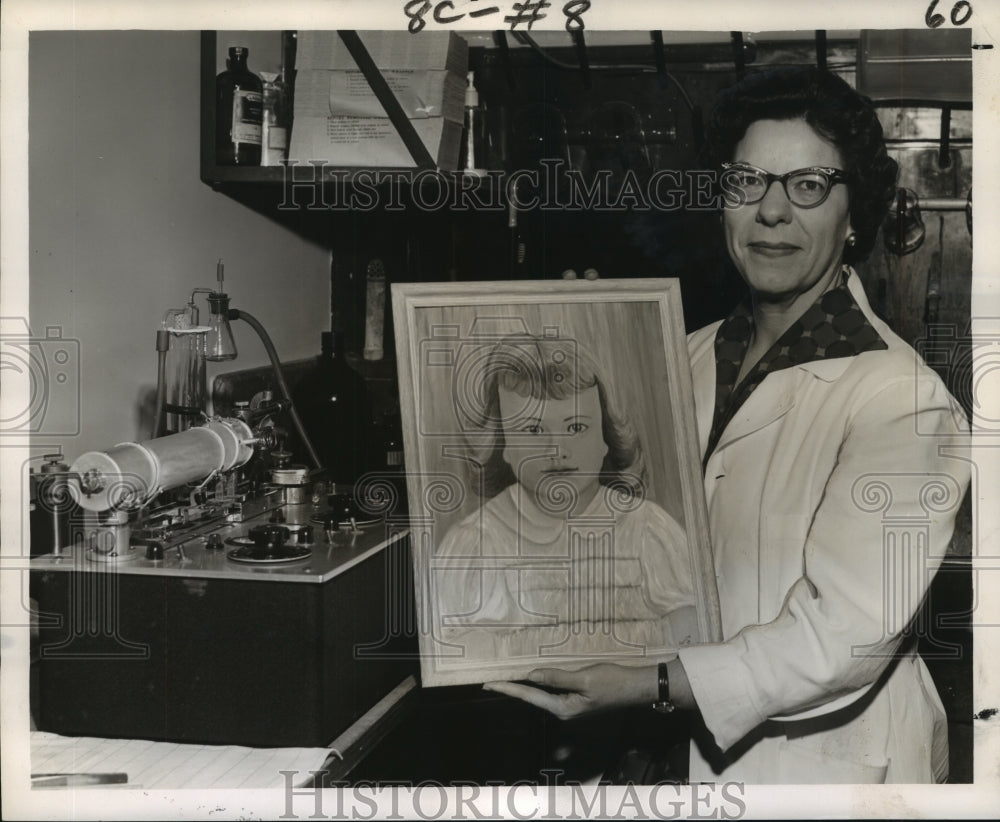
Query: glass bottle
(239, 109)
(334, 408)
(274, 136)
(472, 159)
(185, 369)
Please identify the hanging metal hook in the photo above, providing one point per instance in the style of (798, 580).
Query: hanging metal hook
(944, 148)
(903, 230)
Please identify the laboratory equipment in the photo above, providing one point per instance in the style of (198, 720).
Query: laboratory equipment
(205, 594)
(184, 401)
(219, 344)
(51, 506)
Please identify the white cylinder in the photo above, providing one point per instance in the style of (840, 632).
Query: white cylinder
(236, 439)
(130, 474)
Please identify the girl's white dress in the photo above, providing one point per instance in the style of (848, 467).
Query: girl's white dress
(512, 583)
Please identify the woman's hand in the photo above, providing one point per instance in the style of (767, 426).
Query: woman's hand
(596, 688)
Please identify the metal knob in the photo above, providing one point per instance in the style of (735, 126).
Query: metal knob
(269, 537)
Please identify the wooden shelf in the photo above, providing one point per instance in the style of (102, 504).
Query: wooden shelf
(211, 173)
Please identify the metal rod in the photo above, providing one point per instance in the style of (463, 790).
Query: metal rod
(162, 345)
(821, 49)
(923, 143)
(914, 102)
(500, 39)
(739, 59)
(942, 204)
(944, 153)
(659, 57)
(581, 54)
(932, 301)
(937, 58)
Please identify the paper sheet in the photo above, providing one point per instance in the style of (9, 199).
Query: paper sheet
(371, 142)
(445, 50)
(422, 94)
(171, 765)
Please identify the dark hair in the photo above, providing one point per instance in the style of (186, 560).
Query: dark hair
(543, 368)
(837, 113)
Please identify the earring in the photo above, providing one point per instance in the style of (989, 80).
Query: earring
(852, 238)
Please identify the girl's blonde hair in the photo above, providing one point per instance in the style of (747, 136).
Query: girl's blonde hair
(546, 368)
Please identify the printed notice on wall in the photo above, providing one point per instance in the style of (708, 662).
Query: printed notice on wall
(421, 94)
(370, 141)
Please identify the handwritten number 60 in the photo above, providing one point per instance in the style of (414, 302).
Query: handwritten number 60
(960, 14)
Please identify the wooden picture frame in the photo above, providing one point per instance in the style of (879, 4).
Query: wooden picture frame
(555, 491)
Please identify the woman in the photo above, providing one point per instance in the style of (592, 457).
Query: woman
(820, 429)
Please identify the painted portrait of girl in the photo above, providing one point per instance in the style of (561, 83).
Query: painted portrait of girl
(566, 556)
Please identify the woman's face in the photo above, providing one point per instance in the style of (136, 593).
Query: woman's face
(782, 251)
(548, 440)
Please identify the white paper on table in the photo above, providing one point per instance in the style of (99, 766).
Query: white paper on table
(170, 765)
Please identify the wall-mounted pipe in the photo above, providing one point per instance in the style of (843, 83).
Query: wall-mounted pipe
(924, 143)
(944, 150)
(821, 49)
(943, 204)
(279, 376)
(581, 55)
(500, 41)
(739, 53)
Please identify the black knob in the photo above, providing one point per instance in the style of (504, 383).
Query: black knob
(278, 515)
(269, 538)
(214, 542)
(154, 550)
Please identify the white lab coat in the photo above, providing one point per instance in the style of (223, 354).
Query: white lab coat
(831, 498)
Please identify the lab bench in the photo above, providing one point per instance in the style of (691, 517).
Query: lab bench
(195, 647)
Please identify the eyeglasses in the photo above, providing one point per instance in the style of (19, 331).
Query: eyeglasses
(744, 184)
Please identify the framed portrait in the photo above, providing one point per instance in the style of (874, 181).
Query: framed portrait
(555, 491)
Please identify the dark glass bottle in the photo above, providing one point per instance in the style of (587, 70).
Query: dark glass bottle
(334, 408)
(239, 109)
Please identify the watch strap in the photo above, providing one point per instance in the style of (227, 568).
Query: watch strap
(663, 703)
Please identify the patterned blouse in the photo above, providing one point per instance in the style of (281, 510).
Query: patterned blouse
(833, 326)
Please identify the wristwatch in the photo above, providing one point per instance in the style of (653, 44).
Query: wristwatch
(663, 703)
